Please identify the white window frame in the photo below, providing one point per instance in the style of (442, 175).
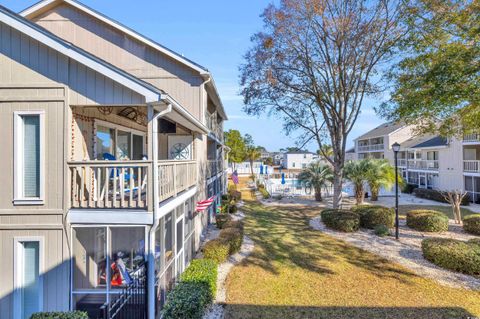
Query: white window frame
(18, 198)
(17, 271)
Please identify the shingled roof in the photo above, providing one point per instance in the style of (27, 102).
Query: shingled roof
(382, 130)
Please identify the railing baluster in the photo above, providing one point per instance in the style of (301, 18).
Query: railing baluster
(107, 186)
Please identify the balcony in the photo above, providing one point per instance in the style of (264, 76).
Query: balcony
(214, 126)
(371, 148)
(471, 138)
(214, 167)
(423, 164)
(402, 162)
(472, 166)
(124, 184)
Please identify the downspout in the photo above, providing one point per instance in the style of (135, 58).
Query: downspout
(151, 259)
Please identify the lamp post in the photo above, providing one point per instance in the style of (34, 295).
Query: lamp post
(396, 148)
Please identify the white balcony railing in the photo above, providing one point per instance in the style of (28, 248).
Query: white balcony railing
(370, 148)
(423, 164)
(469, 138)
(109, 184)
(175, 177)
(472, 166)
(402, 162)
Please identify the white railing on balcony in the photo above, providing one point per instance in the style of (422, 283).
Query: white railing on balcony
(471, 138)
(175, 177)
(369, 148)
(109, 184)
(472, 166)
(402, 162)
(423, 164)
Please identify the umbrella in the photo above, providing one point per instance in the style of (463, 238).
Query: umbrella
(261, 169)
(266, 170)
(283, 178)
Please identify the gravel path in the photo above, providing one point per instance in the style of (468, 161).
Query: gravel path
(216, 311)
(407, 251)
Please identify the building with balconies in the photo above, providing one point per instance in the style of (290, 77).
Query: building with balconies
(109, 140)
(471, 165)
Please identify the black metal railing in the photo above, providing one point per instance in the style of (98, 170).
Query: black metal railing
(131, 302)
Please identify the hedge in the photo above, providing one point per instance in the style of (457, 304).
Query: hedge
(187, 300)
(427, 220)
(437, 195)
(382, 230)
(471, 224)
(216, 250)
(342, 220)
(60, 315)
(235, 195)
(409, 188)
(372, 216)
(234, 224)
(203, 271)
(232, 209)
(221, 219)
(453, 254)
(234, 238)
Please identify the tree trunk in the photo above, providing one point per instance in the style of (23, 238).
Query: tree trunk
(251, 170)
(337, 186)
(374, 195)
(359, 194)
(318, 194)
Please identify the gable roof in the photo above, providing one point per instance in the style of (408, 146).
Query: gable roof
(382, 130)
(45, 5)
(433, 142)
(10, 18)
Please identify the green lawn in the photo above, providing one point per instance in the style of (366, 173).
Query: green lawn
(297, 272)
(404, 209)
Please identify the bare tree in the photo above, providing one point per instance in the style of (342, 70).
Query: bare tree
(455, 198)
(314, 64)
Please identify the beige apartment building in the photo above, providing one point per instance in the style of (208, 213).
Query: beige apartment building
(427, 161)
(108, 142)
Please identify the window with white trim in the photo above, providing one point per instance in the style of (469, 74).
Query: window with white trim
(29, 150)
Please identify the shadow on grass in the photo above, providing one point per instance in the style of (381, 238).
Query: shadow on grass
(239, 311)
(283, 237)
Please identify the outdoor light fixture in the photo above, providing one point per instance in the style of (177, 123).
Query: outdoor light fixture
(396, 148)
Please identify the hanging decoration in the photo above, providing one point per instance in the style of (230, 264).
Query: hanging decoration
(134, 114)
(105, 110)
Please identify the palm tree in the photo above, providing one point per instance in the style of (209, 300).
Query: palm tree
(317, 175)
(252, 153)
(356, 172)
(381, 174)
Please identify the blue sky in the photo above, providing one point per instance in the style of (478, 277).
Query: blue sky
(215, 34)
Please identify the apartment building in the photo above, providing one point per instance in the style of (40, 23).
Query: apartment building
(298, 160)
(109, 140)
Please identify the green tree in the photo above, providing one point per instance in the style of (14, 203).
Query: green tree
(252, 154)
(269, 161)
(318, 176)
(380, 174)
(236, 143)
(356, 172)
(315, 62)
(439, 80)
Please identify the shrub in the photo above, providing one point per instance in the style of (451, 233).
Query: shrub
(436, 195)
(475, 241)
(235, 195)
(409, 188)
(216, 250)
(372, 216)
(60, 315)
(234, 238)
(264, 192)
(187, 300)
(382, 230)
(225, 197)
(202, 271)
(342, 220)
(234, 224)
(221, 219)
(427, 220)
(232, 209)
(453, 254)
(471, 224)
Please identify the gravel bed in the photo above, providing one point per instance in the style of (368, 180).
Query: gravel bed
(407, 251)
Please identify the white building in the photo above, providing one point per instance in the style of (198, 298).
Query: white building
(298, 160)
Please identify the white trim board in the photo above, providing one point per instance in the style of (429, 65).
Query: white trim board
(109, 217)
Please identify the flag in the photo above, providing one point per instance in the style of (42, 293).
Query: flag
(204, 204)
(235, 177)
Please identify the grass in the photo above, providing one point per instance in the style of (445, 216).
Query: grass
(404, 209)
(297, 272)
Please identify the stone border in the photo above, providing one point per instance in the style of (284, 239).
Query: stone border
(403, 252)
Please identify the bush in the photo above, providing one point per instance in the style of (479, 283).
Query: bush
(475, 241)
(234, 224)
(342, 220)
(232, 209)
(60, 315)
(437, 195)
(234, 238)
(427, 220)
(471, 224)
(216, 250)
(187, 300)
(221, 219)
(382, 230)
(409, 188)
(372, 216)
(225, 197)
(202, 271)
(235, 195)
(264, 192)
(453, 254)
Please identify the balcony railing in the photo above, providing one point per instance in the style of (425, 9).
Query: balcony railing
(423, 164)
(471, 138)
(369, 148)
(472, 166)
(175, 177)
(109, 184)
(214, 167)
(402, 162)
